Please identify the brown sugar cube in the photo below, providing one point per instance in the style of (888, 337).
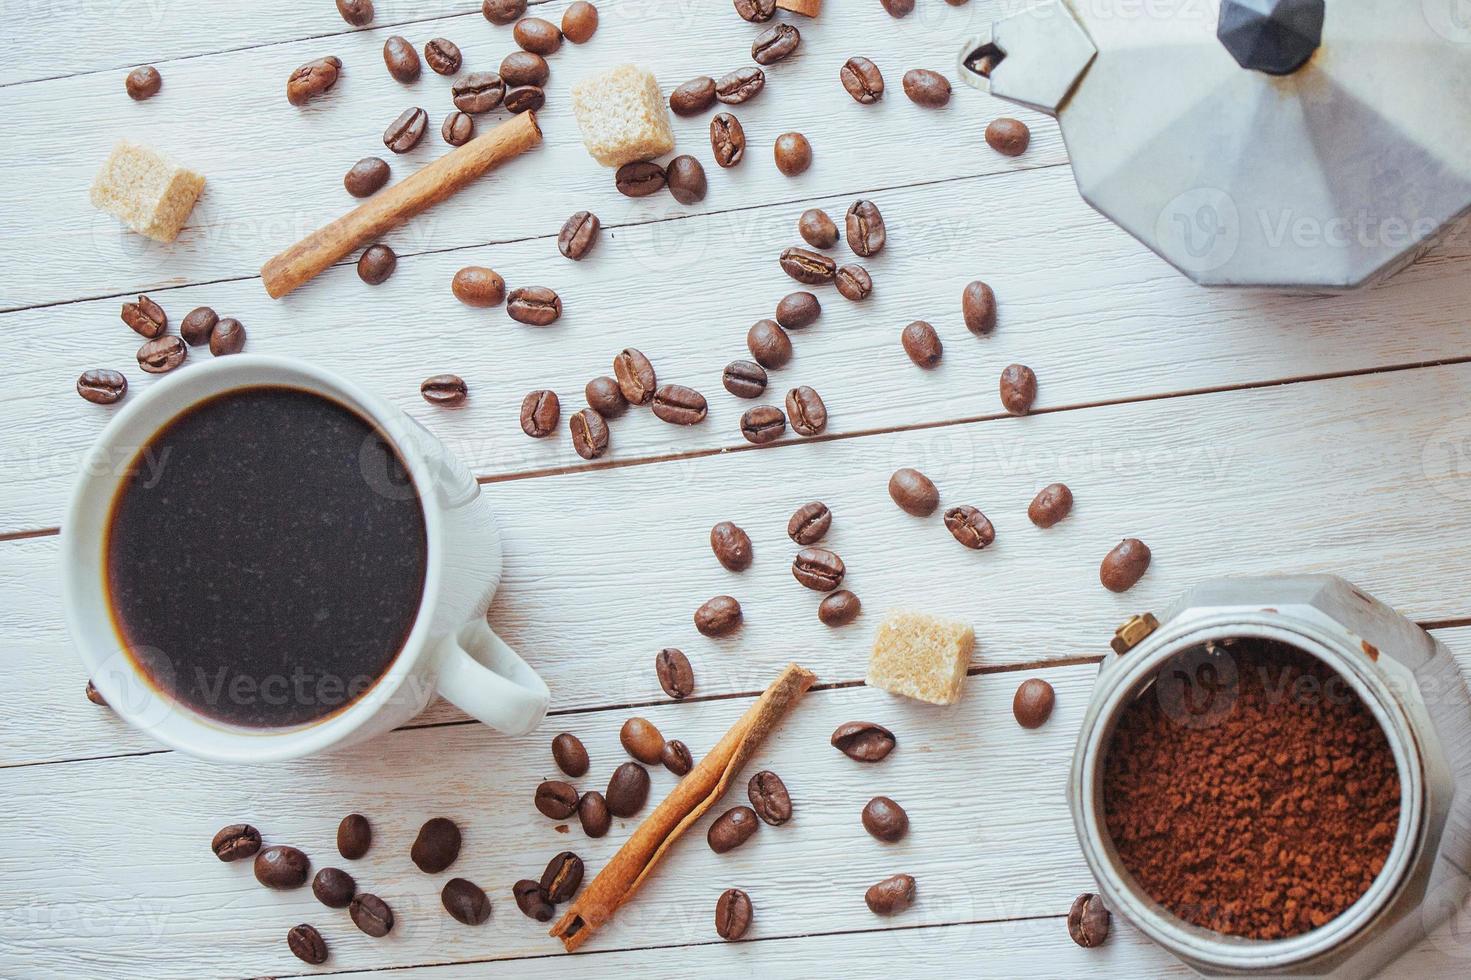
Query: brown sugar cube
(921, 657)
(622, 116)
(807, 8)
(145, 191)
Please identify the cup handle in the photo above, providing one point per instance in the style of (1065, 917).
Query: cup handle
(489, 681)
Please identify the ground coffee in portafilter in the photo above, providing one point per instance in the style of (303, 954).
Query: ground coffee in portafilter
(1250, 791)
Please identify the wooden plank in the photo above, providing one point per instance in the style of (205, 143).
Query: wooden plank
(603, 570)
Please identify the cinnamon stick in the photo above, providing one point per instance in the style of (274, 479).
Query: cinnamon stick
(390, 208)
(696, 793)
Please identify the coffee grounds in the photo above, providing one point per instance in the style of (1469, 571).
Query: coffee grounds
(1260, 802)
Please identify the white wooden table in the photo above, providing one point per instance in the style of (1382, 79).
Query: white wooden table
(1233, 432)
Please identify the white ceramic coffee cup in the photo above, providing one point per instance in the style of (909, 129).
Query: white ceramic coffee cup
(450, 651)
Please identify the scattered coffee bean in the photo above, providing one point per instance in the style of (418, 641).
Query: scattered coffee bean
(102, 386)
(818, 569)
(556, 799)
(1018, 389)
(808, 267)
(524, 98)
(739, 86)
(312, 79)
(673, 669)
(810, 523)
(628, 789)
(639, 179)
(532, 900)
(228, 337)
(589, 433)
(358, 13)
(926, 88)
(732, 546)
(444, 389)
(144, 82)
(978, 305)
(524, 68)
(769, 344)
(537, 306)
(693, 97)
(281, 866)
(1032, 704)
(914, 492)
(642, 740)
(898, 8)
(334, 888)
(732, 914)
(969, 526)
(503, 12)
(744, 379)
(605, 397)
(354, 836)
(307, 944)
(866, 231)
(540, 413)
(570, 754)
(817, 229)
(863, 80)
(755, 11)
(537, 36)
(890, 896)
(863, 741)
(145, 317)
(405, 132)
(443, 55)
(635, 374)
(580, 22)
(162, 354)
(376, 264)
(793, 153)
(465, 901)
(686, 179)
(479, 91)
(371, 914)
(197, 324)
(1052, 504)
(593, 814)
(1009, 137)
(578, 235)
(1088, 921)
(839, 608)
(676, 757)
(797, 310)
(769, 798)
(732, 829)
(885, 819)
(95, 696)
(922, 344)
(763, 424)
(366, 177)
(401, 58)
(562, 877)
(719, 616)
(478, 286)
(775, 43)
(438, 844)
(1124, 565)
(806, 411)
(727, 139)
(458, 128)
(235, 842)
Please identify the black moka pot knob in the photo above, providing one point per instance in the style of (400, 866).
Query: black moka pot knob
(1273, 36)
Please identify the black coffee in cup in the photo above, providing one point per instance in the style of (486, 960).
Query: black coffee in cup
(266, 556)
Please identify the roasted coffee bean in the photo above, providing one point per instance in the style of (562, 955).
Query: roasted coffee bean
(458, 128)
(727, 139)
(775, 43)
(438, 844)
(693, 97)
(237, 841)
(756, 11)
(444, 389)
(635, 374)
(358, 13)
(639, 179)
(628, 789)
(679, 405)
(1018, 389)
(642, 740)
(732, 829)
(334, 888)
(503, 12)
(197, 324)
(673, 669)
(1088, 921)
(532, 900)
(524, 68)
(810, 523)
(1052, 504)
(676, 757)
(376, 264)
(969, 526)
(806, 411)
(556, 799)
(732, 914)
(570, 754)
(797, 310)
(540, 413)
(537, 36)
(281, 866)
(978, 305)
(739, 86)
(769, 798)
(371, 914)
(719, 616)
(524, 98)
(145, 317)
(401, 58)
(405, 132)
(1009, 137)
(1124, 565)
(853, 282)
(589, 433)
(732, 546)
(312, 79)
(926, 88)
(1032, 704)
(102, 386)
(818, 569)
(686, 179)
(863, 80)
(162, 354)
(817, 229)
(578, 235)
(593, 814)
(605, 397)
(922, 344)
(808, 267)
(479, 91)
(562, 877)
(228, 337)
(885, 819)
(465, 901)
(763, 424)
(534, 305)
(366, 177)
(839, 608)
(890, 896)
(866, 231)
(478, 286)
(898, 8)
(443, 55)
(793, 153)
(744, 379)
(769, 344)
(914, 492)
(863, 741)
(95, 696)
(144, 82)
(307, 944)
(354, 836)
(580, 22)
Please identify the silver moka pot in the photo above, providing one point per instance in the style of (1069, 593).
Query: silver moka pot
(1295, 144)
